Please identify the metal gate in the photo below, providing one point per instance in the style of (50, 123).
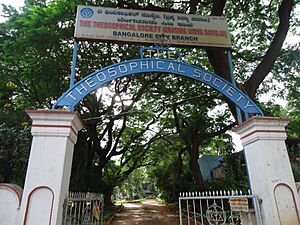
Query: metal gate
(219, 208)
(83, 209)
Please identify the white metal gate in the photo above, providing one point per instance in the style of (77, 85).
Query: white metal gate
(83, 209)
(219, 208)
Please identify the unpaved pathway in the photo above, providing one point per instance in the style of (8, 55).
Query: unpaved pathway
(148, 212)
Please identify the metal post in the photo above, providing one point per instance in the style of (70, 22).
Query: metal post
(74, 60)
(65, 211)
(257, 210)
(180, 211)
(238, 111)
(246, 116)
(230, 65)
(102, 209)
(141, 52)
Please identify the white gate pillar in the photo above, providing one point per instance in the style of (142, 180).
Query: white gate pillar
(48, 174)
(269, 169)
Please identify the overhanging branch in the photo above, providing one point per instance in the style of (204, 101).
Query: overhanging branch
(265, 66)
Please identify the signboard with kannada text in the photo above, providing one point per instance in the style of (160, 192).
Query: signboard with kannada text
(137, 26)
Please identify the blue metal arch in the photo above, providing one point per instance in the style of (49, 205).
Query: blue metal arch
(101, 77)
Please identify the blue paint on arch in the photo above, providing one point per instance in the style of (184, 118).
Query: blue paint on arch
(101, 77)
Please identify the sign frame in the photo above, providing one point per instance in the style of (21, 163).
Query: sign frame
(148, 27)
(163, 44)
(239, 204)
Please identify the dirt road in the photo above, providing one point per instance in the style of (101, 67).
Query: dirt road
(148, 212)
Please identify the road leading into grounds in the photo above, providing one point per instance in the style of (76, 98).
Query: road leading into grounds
(148, 212)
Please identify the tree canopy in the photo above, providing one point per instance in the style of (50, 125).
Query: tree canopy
(128, 121)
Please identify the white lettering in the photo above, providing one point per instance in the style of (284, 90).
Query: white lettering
(90, 82)
(150, 52)
(230, 91)
(205, 77)
(101, 74)
(248, 105)
(217, 80)
(179, 69)
(171, 55)
(81, 89)
(152, 65)
(157, 66)
(132, 65)
(70, 95)
(197, 73)
(224, 86)
(144, 64)
(159, 54)
(171, 66)
(240, 97)
(112, 71)
(124, 67)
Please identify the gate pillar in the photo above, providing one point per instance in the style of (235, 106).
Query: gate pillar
(269, 169)
(47, 180)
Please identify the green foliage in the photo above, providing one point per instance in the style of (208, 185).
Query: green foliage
(15, 144)
(31, 44)
(252, 25)
(132, 187)
(291, 110)
(219, 145)
(170, 174)
(131, 124)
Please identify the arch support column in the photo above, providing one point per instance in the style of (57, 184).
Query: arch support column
(269, 169)
(48, 174)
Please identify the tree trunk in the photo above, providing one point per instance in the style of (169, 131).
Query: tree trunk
(180, 163)
(107, 197)
(194, 166)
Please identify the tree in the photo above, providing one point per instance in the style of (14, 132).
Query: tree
(170, 173)
(270, 40)
(40, 36)
(15, 144)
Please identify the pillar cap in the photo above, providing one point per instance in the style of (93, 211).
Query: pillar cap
(267, 128)
(55, 122)
(50, 111)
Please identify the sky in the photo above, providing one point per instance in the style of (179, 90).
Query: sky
(15, 3)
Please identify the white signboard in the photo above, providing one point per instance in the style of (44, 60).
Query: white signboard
(239, 204)
(137, 26)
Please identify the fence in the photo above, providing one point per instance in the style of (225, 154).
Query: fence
(83, 209)
(219, 208)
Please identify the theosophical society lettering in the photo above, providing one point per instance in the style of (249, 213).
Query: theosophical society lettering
(147, 65)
